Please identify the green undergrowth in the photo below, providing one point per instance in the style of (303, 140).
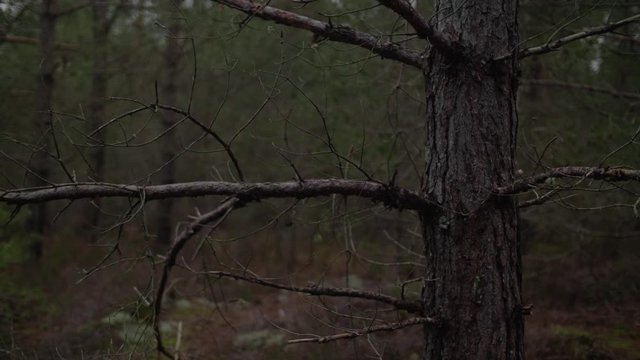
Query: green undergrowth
(590, 344)
(21, 298)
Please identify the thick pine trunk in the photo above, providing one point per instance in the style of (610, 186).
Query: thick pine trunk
(473, 260)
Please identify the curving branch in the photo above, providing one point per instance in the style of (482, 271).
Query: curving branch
(595, 173)
(391, 196)
(404, 9)
(339, 33)
(217, 215)
(590, 88)
(556, 44)
(208, 130)
(409, 306)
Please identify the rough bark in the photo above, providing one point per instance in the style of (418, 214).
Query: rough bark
(172, 55)
(473, 261)
(38, 221)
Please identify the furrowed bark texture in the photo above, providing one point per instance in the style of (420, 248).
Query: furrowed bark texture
(473, 261)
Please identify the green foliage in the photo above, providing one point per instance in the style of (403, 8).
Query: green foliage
(15, 241)
(585, 344)
(20, 300)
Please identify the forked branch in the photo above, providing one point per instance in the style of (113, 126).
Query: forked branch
(339, 33)
(404, 9)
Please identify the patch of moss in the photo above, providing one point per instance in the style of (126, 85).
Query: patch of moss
(589, 345)
(623, 338)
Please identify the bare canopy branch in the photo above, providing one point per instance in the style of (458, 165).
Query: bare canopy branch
(391, 196)
(554, 45)
(596, 173)
(339, 33)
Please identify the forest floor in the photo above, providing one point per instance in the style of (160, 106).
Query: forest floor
(107, 315)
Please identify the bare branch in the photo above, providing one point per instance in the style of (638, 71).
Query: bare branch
(410, 306)
(218, 215)
(554, 45)
(595, 89)
(596, 173)
(393, 197)
(339, 33)
(365, 331)
(421, 26)
(208, 130)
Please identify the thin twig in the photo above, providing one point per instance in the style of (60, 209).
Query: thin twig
(596, 173)
(372, 329)
(590, 88)
(410, 306)
(556, 44)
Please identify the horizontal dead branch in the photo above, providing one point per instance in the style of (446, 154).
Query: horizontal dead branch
(393, 197)
(595, 173)
(372, 329)
(556, 44)
(409, 306)
(590, 88)
(339, 33)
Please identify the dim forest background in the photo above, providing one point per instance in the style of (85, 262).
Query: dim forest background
(79, 286)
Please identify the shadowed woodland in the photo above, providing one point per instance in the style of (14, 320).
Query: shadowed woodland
(319, 179)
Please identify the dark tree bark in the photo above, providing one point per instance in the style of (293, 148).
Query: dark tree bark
(39, 221)
(473, 261)
(172, 55)
(99, 85)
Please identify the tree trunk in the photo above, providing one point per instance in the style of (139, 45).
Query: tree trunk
(38, 221)
(98, 96)
(473, 260)
(172, 55)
